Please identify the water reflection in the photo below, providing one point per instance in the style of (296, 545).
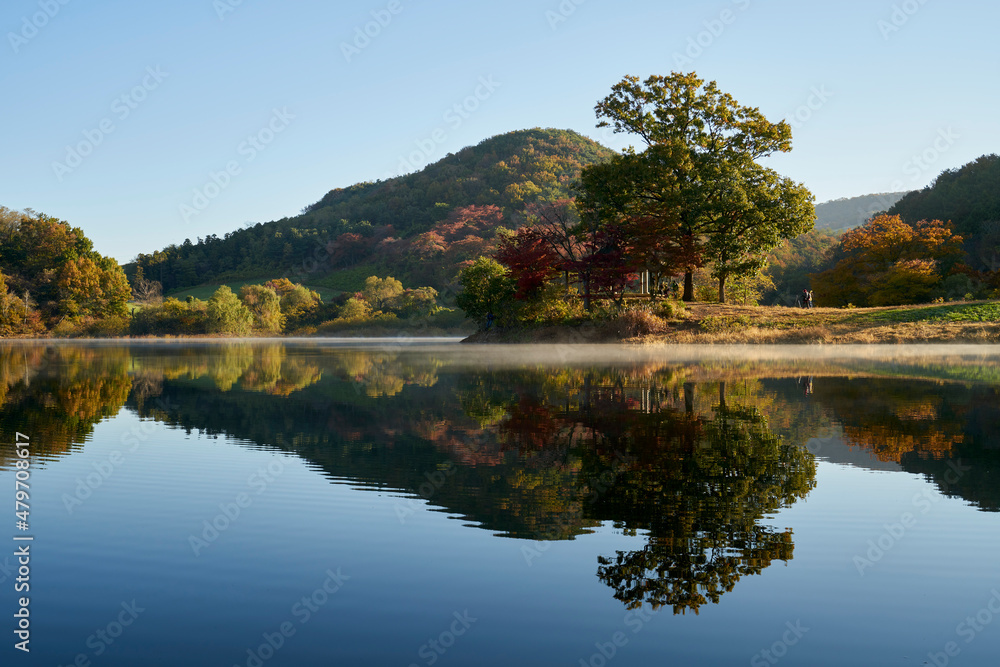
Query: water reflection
(59, 394)
(693, 456)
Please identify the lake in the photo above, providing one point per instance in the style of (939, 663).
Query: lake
(428, 503)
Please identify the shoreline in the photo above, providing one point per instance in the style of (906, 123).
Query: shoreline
(699, 324)
(716, 324)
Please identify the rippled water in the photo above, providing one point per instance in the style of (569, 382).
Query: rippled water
(436, 504)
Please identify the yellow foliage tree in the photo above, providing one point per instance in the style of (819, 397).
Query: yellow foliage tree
(888, 262)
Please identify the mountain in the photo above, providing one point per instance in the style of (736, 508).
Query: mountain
(356, 230)
(851, 212)
(969, 198)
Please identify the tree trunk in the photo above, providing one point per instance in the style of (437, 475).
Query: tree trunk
(688, 285)
(722, 289)
(689, 398)
(586, 292)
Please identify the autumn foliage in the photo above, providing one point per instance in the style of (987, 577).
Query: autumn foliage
(531, 260)
(53, 277)
(888, 262)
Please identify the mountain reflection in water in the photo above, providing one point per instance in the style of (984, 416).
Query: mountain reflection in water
(695, 455)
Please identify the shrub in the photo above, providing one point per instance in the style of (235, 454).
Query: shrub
(171, 317)
(379, 292)
(355, 310)
(634, 322)
(105, 327)
(670, 310)
(550, 304)
(65, 328)
(299, 304)
(706, 293)
(722, 323)
(227, 315)
(419, 302)
(265, 305)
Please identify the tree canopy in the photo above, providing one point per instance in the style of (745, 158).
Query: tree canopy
(696, 183)
(888, 262)
(53, 276)
(968, 198)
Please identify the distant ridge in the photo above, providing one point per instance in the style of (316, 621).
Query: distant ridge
(850, 212)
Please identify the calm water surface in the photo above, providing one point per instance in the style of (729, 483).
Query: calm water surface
(434, 504)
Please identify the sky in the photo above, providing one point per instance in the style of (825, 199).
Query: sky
(149, 123)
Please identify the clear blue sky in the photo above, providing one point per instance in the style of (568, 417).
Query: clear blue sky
(162, 95)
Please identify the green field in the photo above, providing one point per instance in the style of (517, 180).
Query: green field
(957, 312)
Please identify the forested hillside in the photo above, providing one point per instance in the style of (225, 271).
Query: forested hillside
(969, 198)
(790, 265)
(940, 243)
(466, 194)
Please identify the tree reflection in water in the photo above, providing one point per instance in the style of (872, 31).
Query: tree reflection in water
(693, 457)
(698, 484)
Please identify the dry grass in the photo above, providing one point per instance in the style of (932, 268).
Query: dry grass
(767, 325)
(729, 324)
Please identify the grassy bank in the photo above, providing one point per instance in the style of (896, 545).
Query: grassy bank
(962, 322)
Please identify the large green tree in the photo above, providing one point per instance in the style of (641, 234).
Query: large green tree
(487, 291)
(696, 183)
(755, 210)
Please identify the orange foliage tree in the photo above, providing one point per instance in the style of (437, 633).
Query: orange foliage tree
(888, 262)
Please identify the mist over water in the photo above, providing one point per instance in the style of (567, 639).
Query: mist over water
(423, 502)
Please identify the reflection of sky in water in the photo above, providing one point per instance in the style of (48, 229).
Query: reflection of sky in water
(413, 563)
